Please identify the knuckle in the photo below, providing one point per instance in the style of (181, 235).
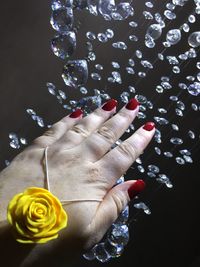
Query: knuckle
(107, 133)
(38, 140)
(130, 151)
(120, 201)
(99, 114)
(79, 129)
(141, 139)
(124, 115)
(93, 174)
(50, 132)
(43, 141)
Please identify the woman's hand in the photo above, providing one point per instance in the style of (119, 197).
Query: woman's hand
(82, 165)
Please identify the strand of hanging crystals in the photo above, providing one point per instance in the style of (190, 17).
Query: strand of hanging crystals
(63, 46)
(172, 38)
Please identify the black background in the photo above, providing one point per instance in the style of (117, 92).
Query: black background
(171, 235)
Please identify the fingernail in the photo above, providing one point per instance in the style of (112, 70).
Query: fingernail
(108, 106)
(77, 113)
(149, 126)
(136, 188)
(132, 104)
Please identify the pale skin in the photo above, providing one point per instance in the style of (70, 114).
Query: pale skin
(82, 165)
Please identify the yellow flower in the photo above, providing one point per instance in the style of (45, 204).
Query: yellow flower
(36, 216)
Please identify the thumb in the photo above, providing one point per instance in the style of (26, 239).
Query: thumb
(114, 203)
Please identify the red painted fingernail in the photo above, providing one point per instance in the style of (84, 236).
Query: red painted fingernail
(132, 104)
(108, 106)
(136, 188)
(77, 113)
(149, 126)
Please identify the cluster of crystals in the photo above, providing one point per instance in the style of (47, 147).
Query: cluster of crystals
(39, 120)
(110, 9)
(75, 72)
(64, 42)
(16, 141)
(155, 30)
(112, 246)
(59, 94)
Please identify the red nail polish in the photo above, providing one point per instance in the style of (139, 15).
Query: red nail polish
(77, 113)
(136, 188)
(132, 104)
(149, 126)
(108, 106)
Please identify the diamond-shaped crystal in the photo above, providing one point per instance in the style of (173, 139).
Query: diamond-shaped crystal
(75, 73)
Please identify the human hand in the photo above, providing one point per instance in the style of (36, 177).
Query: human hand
(82, 165)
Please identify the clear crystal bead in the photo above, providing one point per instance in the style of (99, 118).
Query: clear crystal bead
(157, 150)
(64, 45)
(191, 18)
(163, 179)
(143, 206)
(154, 31)
(114, 251)
(123, 217)
(180, 161)
(119, 235)
(185, 152)
(101, 253)
(141, 168)
(56, 4)
(133, 24)
(149, 4)
(168, 154)
(62, 19)
(90, 255)
(92, 6)
(115, 65)
(194, 107)
(169, 15)
(75, 73)
(151, 174)
(133, 38)
(102, 37)
(109, 33)
(153, 168)
(130, 70)
(194, 89)
(120, 45)
(173, 36)
(146, 64)
(147, 15)
(175, 127)
(149, 41)
(106, 7)
(91, 36)
(161, 121)
(188, 159)
(51, 88)
(95, 76)
(176, 141)
(122, 11)
(194, 39)
(191, 134)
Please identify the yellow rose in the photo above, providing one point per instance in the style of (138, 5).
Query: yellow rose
(36, 216)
